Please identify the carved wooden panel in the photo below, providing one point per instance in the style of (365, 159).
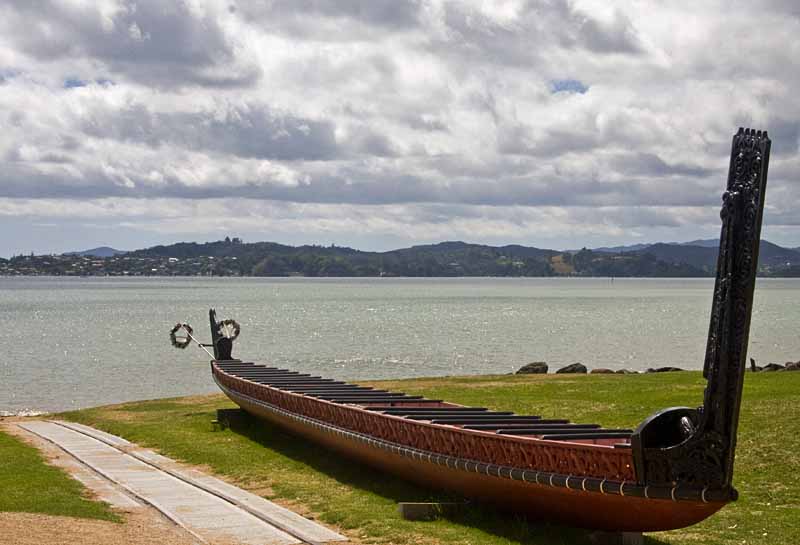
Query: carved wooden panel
(705, 459)
(565, 459)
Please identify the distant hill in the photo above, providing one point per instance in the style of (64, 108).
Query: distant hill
(705, 243)
(232, 257)
(450, 258)
(458, 258)
(621, 249)
(102, 251)
(770, 256)
(457, 246)
(703, 258)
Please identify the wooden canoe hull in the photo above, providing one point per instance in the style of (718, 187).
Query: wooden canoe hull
(570, 506)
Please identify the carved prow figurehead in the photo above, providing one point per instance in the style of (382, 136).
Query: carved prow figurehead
(222, 336)
(696, 447)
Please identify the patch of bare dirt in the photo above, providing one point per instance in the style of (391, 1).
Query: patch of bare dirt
(259, 489)
(139, 528)
(46, 447)
(8, 420)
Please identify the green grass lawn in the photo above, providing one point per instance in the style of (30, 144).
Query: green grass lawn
(363, 502)
(28, 484)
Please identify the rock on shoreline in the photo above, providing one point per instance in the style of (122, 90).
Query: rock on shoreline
(774, 367)
(535, 368)
(573, 368)
(540, 368)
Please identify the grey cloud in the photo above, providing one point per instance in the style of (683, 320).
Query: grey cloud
(550, 142)
(641, 216)
(246, 131)
(391, 13)
(331, 20)
(785, 135)
(618, 36)
(160, 43)
(55, 158)
(22, 180)
(366, 141)
(539, 26)
(320, 69)
(426, 123)
(650, 164)
(352, 185)
(790, 7)
(474, 35)
(69, 142)
(12, 155)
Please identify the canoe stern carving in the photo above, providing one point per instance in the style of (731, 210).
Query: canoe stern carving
(697, 447)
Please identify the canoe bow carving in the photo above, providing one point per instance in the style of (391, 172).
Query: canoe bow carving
(697, 447)
(223, 346)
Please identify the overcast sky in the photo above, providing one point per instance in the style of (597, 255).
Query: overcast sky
(384, 123)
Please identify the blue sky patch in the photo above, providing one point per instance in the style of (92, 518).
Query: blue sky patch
(71, 83)
(568, 86)
(7, 73)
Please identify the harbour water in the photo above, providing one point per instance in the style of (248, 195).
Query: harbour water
(79, 342)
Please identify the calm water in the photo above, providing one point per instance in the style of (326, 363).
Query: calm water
(74, 342)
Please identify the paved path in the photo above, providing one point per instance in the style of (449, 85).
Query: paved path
(104, 490)
(211, 510)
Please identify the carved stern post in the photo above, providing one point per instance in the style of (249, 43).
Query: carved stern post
(692, 450)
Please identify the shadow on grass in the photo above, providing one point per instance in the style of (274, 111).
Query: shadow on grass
(514, 527)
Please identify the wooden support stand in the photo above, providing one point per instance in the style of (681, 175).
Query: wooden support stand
(230, 418)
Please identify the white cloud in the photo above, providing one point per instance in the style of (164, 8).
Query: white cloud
(389, 111)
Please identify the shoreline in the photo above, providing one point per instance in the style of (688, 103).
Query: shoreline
(34, 413)
(597, 371)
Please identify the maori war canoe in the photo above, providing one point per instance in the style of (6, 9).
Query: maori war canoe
(673, 470)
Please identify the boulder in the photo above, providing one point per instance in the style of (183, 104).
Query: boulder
(773, 367)
(626, 372)
(664, 369)
(601, 371)
(753, 367)
(535, 368)
(573, 368)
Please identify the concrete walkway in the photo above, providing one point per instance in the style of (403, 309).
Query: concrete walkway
(211, 510)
